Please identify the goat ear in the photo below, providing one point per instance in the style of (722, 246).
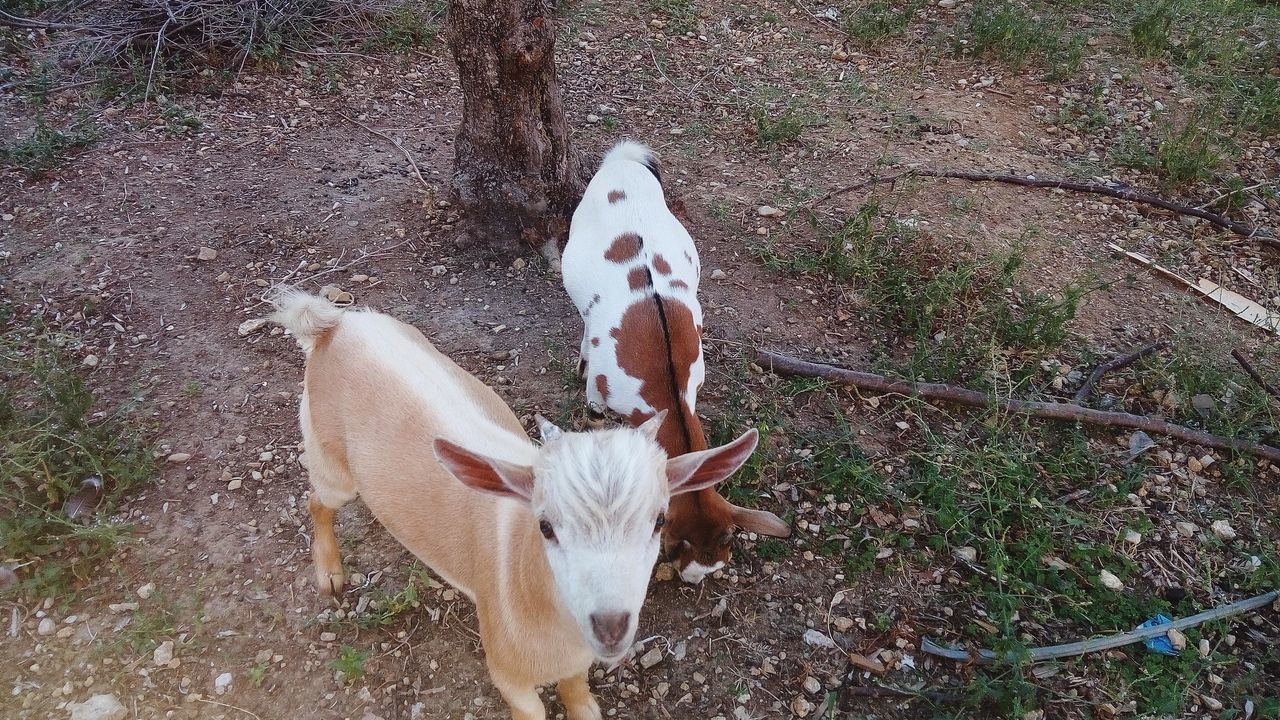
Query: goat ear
(761, 522)
(485, 474)
(650, 427)
(547, 429)
(703, 469)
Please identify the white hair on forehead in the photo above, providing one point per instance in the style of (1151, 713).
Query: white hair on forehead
(604, 482)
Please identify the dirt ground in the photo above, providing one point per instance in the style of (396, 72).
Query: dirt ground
(284, 189)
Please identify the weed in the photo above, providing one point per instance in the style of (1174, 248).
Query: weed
(386, 607)
(773, 128)
(1151, 27)
(681, 14)
(178, 120)
(879, 20)
(1015, 37)
(407, 27)
(350, 663)
(258, 674)
(46, 146)
(51, 443)
(771, 550)
(193, 388)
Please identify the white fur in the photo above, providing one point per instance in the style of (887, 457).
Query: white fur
(695, 572)
(588, 274)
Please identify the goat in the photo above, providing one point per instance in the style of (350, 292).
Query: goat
(554, 544)
(632, 271)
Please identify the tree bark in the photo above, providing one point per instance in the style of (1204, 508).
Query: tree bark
(515, 173)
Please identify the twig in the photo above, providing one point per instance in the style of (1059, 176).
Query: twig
(1239, 228)
(882, 691)
(1253, 373)
(985, 657)
(398, 146)
(1082, 395)
(784, 365)
(250, 713)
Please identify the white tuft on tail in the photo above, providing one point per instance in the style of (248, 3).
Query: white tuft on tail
(635, 152)
(305, 315)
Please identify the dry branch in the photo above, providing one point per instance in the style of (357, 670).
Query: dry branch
(1255, 375)
(1239, 228)
(417, 173)
(783, 365)
(1082, 395)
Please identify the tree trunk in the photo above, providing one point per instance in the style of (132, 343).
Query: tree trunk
(515, 173)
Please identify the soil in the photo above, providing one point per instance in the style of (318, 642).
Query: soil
(105, 249)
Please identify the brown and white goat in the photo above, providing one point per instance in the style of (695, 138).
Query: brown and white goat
(554, 544)
(632, 270)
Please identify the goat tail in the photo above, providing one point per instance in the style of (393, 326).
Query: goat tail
(630, 150)
(305, 315)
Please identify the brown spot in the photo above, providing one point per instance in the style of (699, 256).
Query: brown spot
(595, 342)
(663, 370)
(661, 265)
(602, 384)
(679, 285)
(616, 196)
(639, 278)
(625, 248)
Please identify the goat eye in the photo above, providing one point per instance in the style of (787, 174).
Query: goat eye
(548, 532)
(662, 520)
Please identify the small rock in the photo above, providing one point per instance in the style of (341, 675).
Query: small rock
(801, 707)
(179, 457)
(123, 607)
(163, 654)
(235, 485)
(206, 254)
(1203, 404)
(328, 637)
(768, 211)
(251, 325)
(360, 277)
(812, 685)
(947, 4)
(1206, 461)
(98, 707)
(1223, 530)
(222, 683)
(90, 361)
(818, 639)
(438, 270)
(1212, 704)
(967, 554)
(147, 590)
(1139, 442)
(519, 264)
(842, 624)
(664, 573)
(1133, 537)
(651, 658)
(1110, 581)
(839, 54)
(1194, 465)
(718, 274)
(1177, 639)
(46, 627)
(223, 276)
(1203, 648)
(1185, 529)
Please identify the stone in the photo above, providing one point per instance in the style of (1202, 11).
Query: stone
(812, 685)
(1223, 530)
(842, 624)
(1203, 648)
(1110, 581)
(768, 211)
(46, 627)
(206, 254)
(1133, 537)
(250, 326)
(967, 554)
(1185, 529)
(651, 658)
(1177, 639)
(90, 361)
(718, 274)
(328, 637)
(179, 457)
(222, 683)
(163, 654)
(801, 707)
(147, 590)
(98, 707)
(664, 572)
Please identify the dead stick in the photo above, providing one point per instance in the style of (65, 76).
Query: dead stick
(1082, 395)
(1253, 373)
(986, 657)
(398, 146)
(1242, 229)
(783, 365)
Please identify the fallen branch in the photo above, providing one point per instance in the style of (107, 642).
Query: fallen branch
(417, 173)
(1253, 373)
(1239, 228)
(783, 365)
(986, 657)
(1082, 395)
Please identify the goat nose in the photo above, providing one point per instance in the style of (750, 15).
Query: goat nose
(610, 628)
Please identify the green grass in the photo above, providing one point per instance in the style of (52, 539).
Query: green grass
(46, 147)
(682, 15)
(350, 663)
(405, 28)
(879, 20)
(778, 127)
(1009, 33)
(387, 606)
(50, 442)
(1179, 156)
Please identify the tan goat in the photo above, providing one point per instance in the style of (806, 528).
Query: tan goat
(554, 544)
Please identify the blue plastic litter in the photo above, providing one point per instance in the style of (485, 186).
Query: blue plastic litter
(1159, 643)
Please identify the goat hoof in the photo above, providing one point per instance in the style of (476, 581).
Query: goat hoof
(330, 583)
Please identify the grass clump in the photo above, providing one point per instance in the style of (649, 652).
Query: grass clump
(880, 20)
(776, 128)
(682, 15)
(52, 442)
(46, 146)
(1008, 33)
(349, 664)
